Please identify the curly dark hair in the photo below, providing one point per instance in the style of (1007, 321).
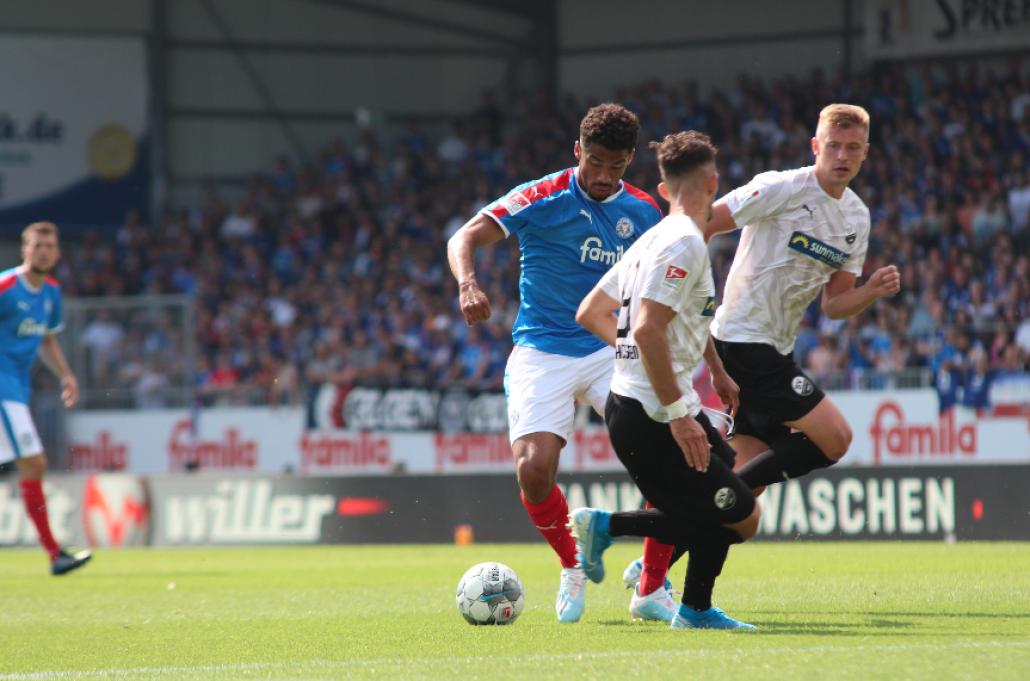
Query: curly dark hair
(681, 153)
(611, 125)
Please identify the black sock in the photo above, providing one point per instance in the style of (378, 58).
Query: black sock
(703, 567)
(679, 550)
(649, 522)
(669, 529)
(789, 457)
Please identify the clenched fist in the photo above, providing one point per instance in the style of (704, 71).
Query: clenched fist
(885, 281)
(474, 304)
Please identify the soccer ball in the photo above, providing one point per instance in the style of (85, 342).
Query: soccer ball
(490, 593)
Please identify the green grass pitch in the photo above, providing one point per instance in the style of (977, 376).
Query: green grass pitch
(826, 611)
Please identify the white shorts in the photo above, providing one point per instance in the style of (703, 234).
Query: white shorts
(542, 389)
(18, 436)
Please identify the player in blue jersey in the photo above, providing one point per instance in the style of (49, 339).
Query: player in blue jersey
(572, 226)
(30, 316)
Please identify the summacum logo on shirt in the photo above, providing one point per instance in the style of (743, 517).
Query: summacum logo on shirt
(813, 248)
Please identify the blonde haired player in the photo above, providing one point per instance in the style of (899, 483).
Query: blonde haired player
(805, 234)
(30, 316)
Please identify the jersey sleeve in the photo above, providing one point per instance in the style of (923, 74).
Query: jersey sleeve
(55, 324)
(674, 273)
(765, 195)
(520, 207)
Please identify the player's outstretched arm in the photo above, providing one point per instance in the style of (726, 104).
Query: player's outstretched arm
(720, 222)
(842, 299)
(596, 314)
(461, 250)
(53, 357)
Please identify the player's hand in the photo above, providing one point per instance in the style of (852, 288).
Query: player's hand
(727, 390)
(691, 438)
(474, 304)
(69, 391)
(885, 281)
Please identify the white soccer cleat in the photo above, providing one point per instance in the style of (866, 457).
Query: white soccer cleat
(571, 595)
(659, 605)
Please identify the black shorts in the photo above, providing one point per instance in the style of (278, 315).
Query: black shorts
(773, 389)
(657, 465)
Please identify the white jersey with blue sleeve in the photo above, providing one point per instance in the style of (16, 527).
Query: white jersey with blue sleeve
(567, 241)
(26, 315)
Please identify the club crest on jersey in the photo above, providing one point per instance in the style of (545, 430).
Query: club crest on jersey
(849, 234)
(515, 202)
(709, 309)
(802, 386)
(624, 228)
(813, 248)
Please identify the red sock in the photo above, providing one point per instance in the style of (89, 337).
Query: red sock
(35, 506)
(551, 517)
(656, 563)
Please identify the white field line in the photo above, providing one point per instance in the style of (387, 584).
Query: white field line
(299, 666)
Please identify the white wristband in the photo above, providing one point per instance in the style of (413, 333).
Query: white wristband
(676, 410)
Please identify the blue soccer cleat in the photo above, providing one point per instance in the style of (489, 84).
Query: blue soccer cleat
(571, 595)
(631, 575)
(590, 528)
(65, 562)
(712, 618)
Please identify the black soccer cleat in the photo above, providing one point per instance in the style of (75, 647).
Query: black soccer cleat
(66, 562)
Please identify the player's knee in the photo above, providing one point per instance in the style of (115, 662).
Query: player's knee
(32, 467)
(839, 442)
(535, 480)
(748, 527)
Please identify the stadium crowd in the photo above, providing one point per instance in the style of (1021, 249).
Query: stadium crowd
(335, 270)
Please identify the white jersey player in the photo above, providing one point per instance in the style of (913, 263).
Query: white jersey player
(804, 233)
(665, 296)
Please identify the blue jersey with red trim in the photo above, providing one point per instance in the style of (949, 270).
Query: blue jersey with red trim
(567, 241)
(26, 315)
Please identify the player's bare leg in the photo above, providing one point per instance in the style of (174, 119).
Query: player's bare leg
(747, 447)
(827, 428)
(822, 438)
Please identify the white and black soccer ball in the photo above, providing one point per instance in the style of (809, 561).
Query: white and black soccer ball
(490, 593)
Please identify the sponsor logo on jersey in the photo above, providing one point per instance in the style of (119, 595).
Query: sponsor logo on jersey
(585, 213)
(813, 248)
(709, 308)
(811, 211)
(624, 228)
(30, 327)
(675, 273)
(802, 386)
(23, 306)
(592, 250)
(515, 202)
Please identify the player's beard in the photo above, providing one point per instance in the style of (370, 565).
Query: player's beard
(40, 271)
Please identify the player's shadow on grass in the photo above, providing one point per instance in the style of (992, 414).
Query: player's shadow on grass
(925, 613)
(878, 627)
